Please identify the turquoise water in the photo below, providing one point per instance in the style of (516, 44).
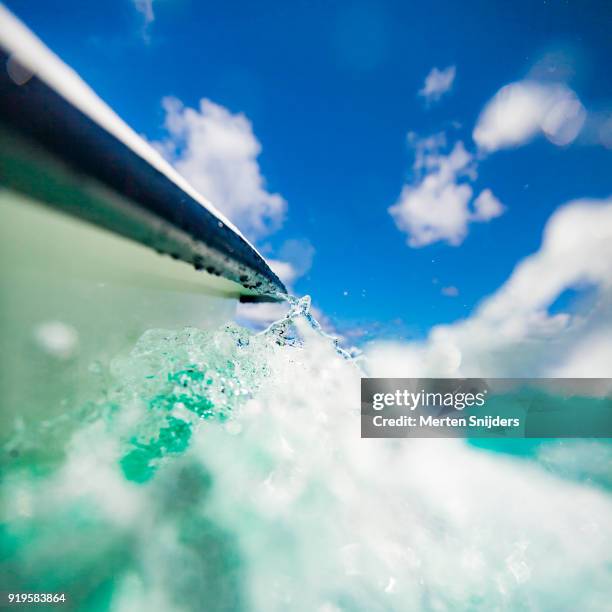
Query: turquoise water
(224, 470)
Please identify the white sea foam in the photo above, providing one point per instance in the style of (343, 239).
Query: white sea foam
(276, 503)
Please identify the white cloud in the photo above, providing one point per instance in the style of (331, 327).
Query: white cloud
(450, 291)
(590, 357)
(512, 333)
(284, 270)
(299, 253)
(487, 206)
(437, 206)
(145, 7)
(217, 152)
(292, 261)
(426, 150)
(437, 83)
(520, 111)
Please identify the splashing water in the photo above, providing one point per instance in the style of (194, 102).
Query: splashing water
(224, 470)
(300, 308)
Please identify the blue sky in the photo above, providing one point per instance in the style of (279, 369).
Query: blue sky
(331, 92)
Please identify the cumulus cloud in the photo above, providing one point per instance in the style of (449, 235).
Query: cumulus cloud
(513, 332)
(437, 83)
(217, 151)
(520, 111)
(284, 270)
(487, 206)
(436, 208)
(437, 205)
